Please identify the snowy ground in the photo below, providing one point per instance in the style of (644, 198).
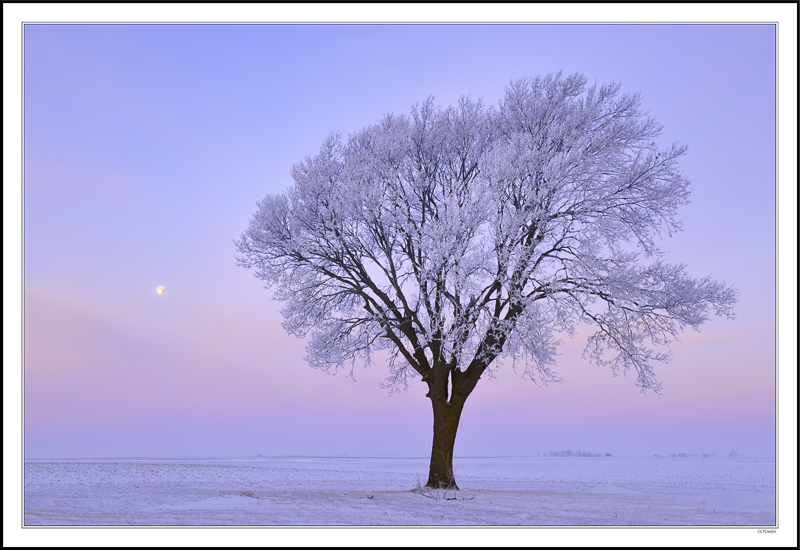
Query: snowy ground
(608, 491)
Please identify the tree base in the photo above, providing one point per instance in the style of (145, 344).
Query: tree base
(442, 481)
(449, 487)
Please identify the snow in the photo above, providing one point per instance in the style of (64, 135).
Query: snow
(380, 491)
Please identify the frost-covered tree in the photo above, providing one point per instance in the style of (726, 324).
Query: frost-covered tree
(456, 238)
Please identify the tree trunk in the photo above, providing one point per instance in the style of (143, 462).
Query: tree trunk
(445, 424)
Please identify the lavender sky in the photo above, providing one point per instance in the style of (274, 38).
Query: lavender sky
(147, 147)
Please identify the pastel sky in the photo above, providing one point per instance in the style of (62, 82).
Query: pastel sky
(147, 146)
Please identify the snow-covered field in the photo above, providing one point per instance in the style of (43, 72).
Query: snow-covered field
(551, 491)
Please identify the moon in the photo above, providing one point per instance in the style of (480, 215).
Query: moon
(160, 290)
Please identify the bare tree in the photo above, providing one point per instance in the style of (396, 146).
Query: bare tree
(455, 238)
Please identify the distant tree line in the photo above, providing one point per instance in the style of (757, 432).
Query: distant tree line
(569, 452)
(733, 453)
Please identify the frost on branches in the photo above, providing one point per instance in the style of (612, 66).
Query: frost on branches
(457, 237)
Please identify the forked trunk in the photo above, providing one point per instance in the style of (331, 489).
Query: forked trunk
(445, 424)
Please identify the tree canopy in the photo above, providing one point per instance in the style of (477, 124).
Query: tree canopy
(463, 235)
